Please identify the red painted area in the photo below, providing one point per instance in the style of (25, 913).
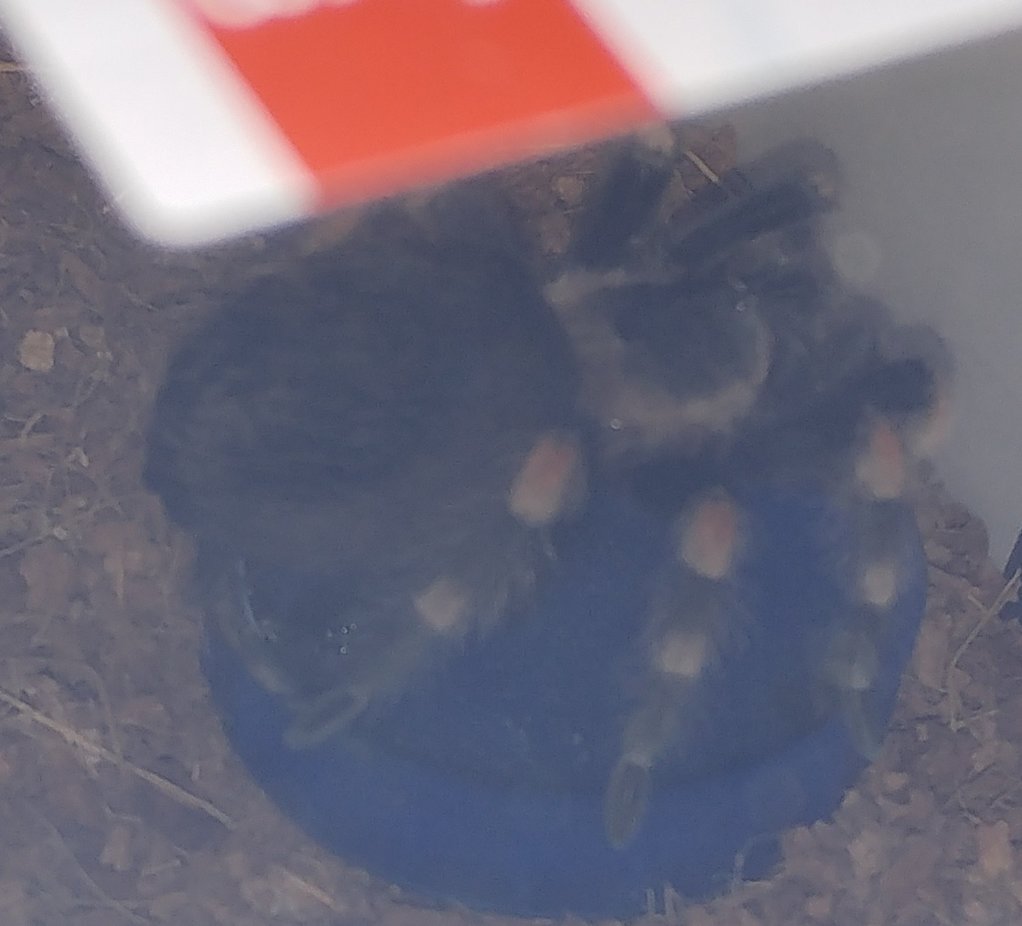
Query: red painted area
(382, 93)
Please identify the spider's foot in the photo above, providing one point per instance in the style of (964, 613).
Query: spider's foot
(626, 799)
(852, 669)
(334, 671)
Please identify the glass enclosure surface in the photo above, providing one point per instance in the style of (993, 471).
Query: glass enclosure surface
(579, 561)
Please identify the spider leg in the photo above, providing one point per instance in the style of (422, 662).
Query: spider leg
(355, 646)
(786, 189)
(375, 667)
(907, 409)
(852, 663)
(629, 197)
(691, 624)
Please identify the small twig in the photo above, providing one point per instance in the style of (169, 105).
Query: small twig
(1008, 593)
(74, 738)
(23, 545)
(708, 172)
(29, 426)
(316, 893)
(946, 581)
(84, 672)
(26, 441)
(968, 814)
(104, 898)
(10, 67)
(1005, 795)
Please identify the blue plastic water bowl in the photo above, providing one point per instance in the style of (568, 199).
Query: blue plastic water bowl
(484, 785)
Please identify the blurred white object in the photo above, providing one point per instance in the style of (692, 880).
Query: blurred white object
(700, 56)
(207, 118)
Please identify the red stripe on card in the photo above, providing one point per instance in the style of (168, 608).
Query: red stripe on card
(379, 93)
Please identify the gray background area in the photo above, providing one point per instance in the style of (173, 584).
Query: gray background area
(932, 223)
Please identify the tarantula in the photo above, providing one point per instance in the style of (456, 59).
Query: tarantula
(399, 429)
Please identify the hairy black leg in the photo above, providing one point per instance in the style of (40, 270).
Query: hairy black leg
(692, 622)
